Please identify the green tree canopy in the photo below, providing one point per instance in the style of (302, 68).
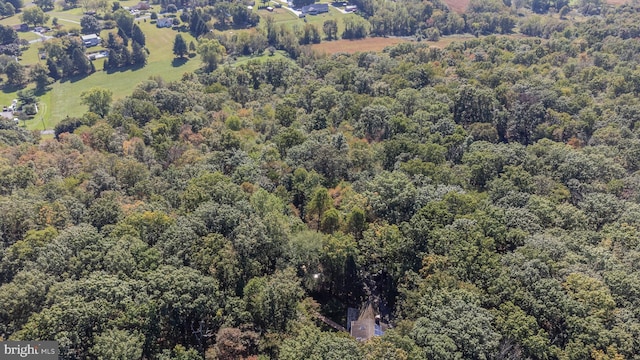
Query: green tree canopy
(98, 100)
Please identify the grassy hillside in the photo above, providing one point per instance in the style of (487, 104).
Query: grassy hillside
(63, 98)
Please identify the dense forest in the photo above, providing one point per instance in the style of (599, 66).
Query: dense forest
(483, 197)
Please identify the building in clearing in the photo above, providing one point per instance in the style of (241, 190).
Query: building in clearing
(21, 27)
(142, 5)
(363, 324)
(90, 40)
(315, 9)
(164, 22)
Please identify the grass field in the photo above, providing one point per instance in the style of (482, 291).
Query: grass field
(63, 98)
(28, 36)
(284, 16)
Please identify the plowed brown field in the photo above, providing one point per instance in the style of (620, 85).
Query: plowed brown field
(354, 46)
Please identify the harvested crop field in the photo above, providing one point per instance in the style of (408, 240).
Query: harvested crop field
(354, 46)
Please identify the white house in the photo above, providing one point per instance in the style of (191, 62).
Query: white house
(90, 40)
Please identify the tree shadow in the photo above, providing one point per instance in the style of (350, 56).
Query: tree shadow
(135, 67)
(177, 62)
(78, 77)
(74, 78)
(8, 88)
(42, 91)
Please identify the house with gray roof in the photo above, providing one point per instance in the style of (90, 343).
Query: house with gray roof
(315, 9)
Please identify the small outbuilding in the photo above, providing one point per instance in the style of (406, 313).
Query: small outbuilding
(21, 27)
(363, 324)
(142, 5)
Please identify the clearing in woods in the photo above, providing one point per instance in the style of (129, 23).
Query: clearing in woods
(458, 6)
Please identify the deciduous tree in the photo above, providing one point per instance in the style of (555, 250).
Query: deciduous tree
(211, 52)
(90, 25)
(330, 28)
(34, 15)
(98, 100)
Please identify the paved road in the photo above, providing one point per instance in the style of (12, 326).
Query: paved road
(284, 6)
(71, 21)
(42, 38)
(7, 115)
(339, 9)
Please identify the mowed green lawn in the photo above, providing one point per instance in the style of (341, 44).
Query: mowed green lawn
(63, 98)
(284, 16)
(65, 95)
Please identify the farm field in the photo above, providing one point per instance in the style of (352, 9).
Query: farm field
(379, 43)
(354, 46)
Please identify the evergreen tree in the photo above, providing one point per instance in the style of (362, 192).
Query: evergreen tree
(80, 62)
(179, 46)
(138, 36)
(54, 70)
(124, 36)
(112, 60)
(126, 57)
(138, 55)
(197, 25)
